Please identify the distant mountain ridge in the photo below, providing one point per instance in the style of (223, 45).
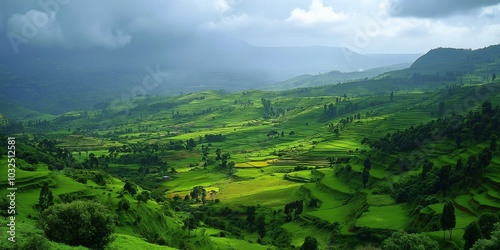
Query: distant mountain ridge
(55, 81)
(465, 60)
(333, 77)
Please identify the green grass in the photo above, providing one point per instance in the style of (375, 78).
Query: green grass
(125, 242)
(227, 243)
(334, 183)
(391, 217)
(380, 200)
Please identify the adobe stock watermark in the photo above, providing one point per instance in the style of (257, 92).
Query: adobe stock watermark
(150, 82)
(33, 21)
(224, 6)
(371, 29)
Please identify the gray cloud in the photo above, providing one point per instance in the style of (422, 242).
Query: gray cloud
(436, 8)
(106, 24)
(142, 26)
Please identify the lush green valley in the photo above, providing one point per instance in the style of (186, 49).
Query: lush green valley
(345, 166)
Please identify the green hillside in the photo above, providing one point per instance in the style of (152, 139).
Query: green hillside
(348, 164)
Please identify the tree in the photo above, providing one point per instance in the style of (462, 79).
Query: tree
(230, 168)
(261, 226)
(486, 108)
(336, 132)
(143, 196)
(392, 96)
(441, 109)
(366, 171)
(366, 175)
(448, 219)
(124, 204)
(79, 223)
(444, 177)
(458, 141)
(310, 243)
(426, 168)
(251, 214)
(212, 193)
(493, 142)
(331, 161)
(204, 196)
(489, 244)
(196, 192)
(217, 153)
(401, 240)
(224, 159)
(190, 223)
(4, 207)
(471, 235)
(367, 164)
(190, 144)
(493, 77)
(486, 224)
(46, 199)
(130, 187)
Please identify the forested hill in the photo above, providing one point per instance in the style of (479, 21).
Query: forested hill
(484, 60)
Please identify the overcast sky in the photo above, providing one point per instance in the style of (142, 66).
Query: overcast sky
(365, 26)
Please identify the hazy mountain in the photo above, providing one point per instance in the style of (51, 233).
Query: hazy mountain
(57, 80)
(456, 61)
(333, 77)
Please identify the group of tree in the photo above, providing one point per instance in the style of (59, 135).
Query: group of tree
(197, 192)
(293, 209)
(483, 228)
(475, 125)
(402, 240)
(274, 133)
(433, 180)
(332, 111)
(269, 110)
(214, 138)
(493, 242)
(225, 164)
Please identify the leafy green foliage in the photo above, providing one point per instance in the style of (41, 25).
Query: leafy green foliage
(310, 243)
(486, 223)
(489, 244)
(46, 199)
(79, 223)
(130, 187)
(471, 235)
(124, 204)
(448, 219)
(401, 240)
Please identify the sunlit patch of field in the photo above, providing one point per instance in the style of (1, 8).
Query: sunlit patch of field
(189, 179)
(264, 190)
(385, 217)
(127, 242)
(338, 214)
(379, 200)
(227, 243)
(328, 199)
(331, 181)
(301, 230)
(254, 164)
